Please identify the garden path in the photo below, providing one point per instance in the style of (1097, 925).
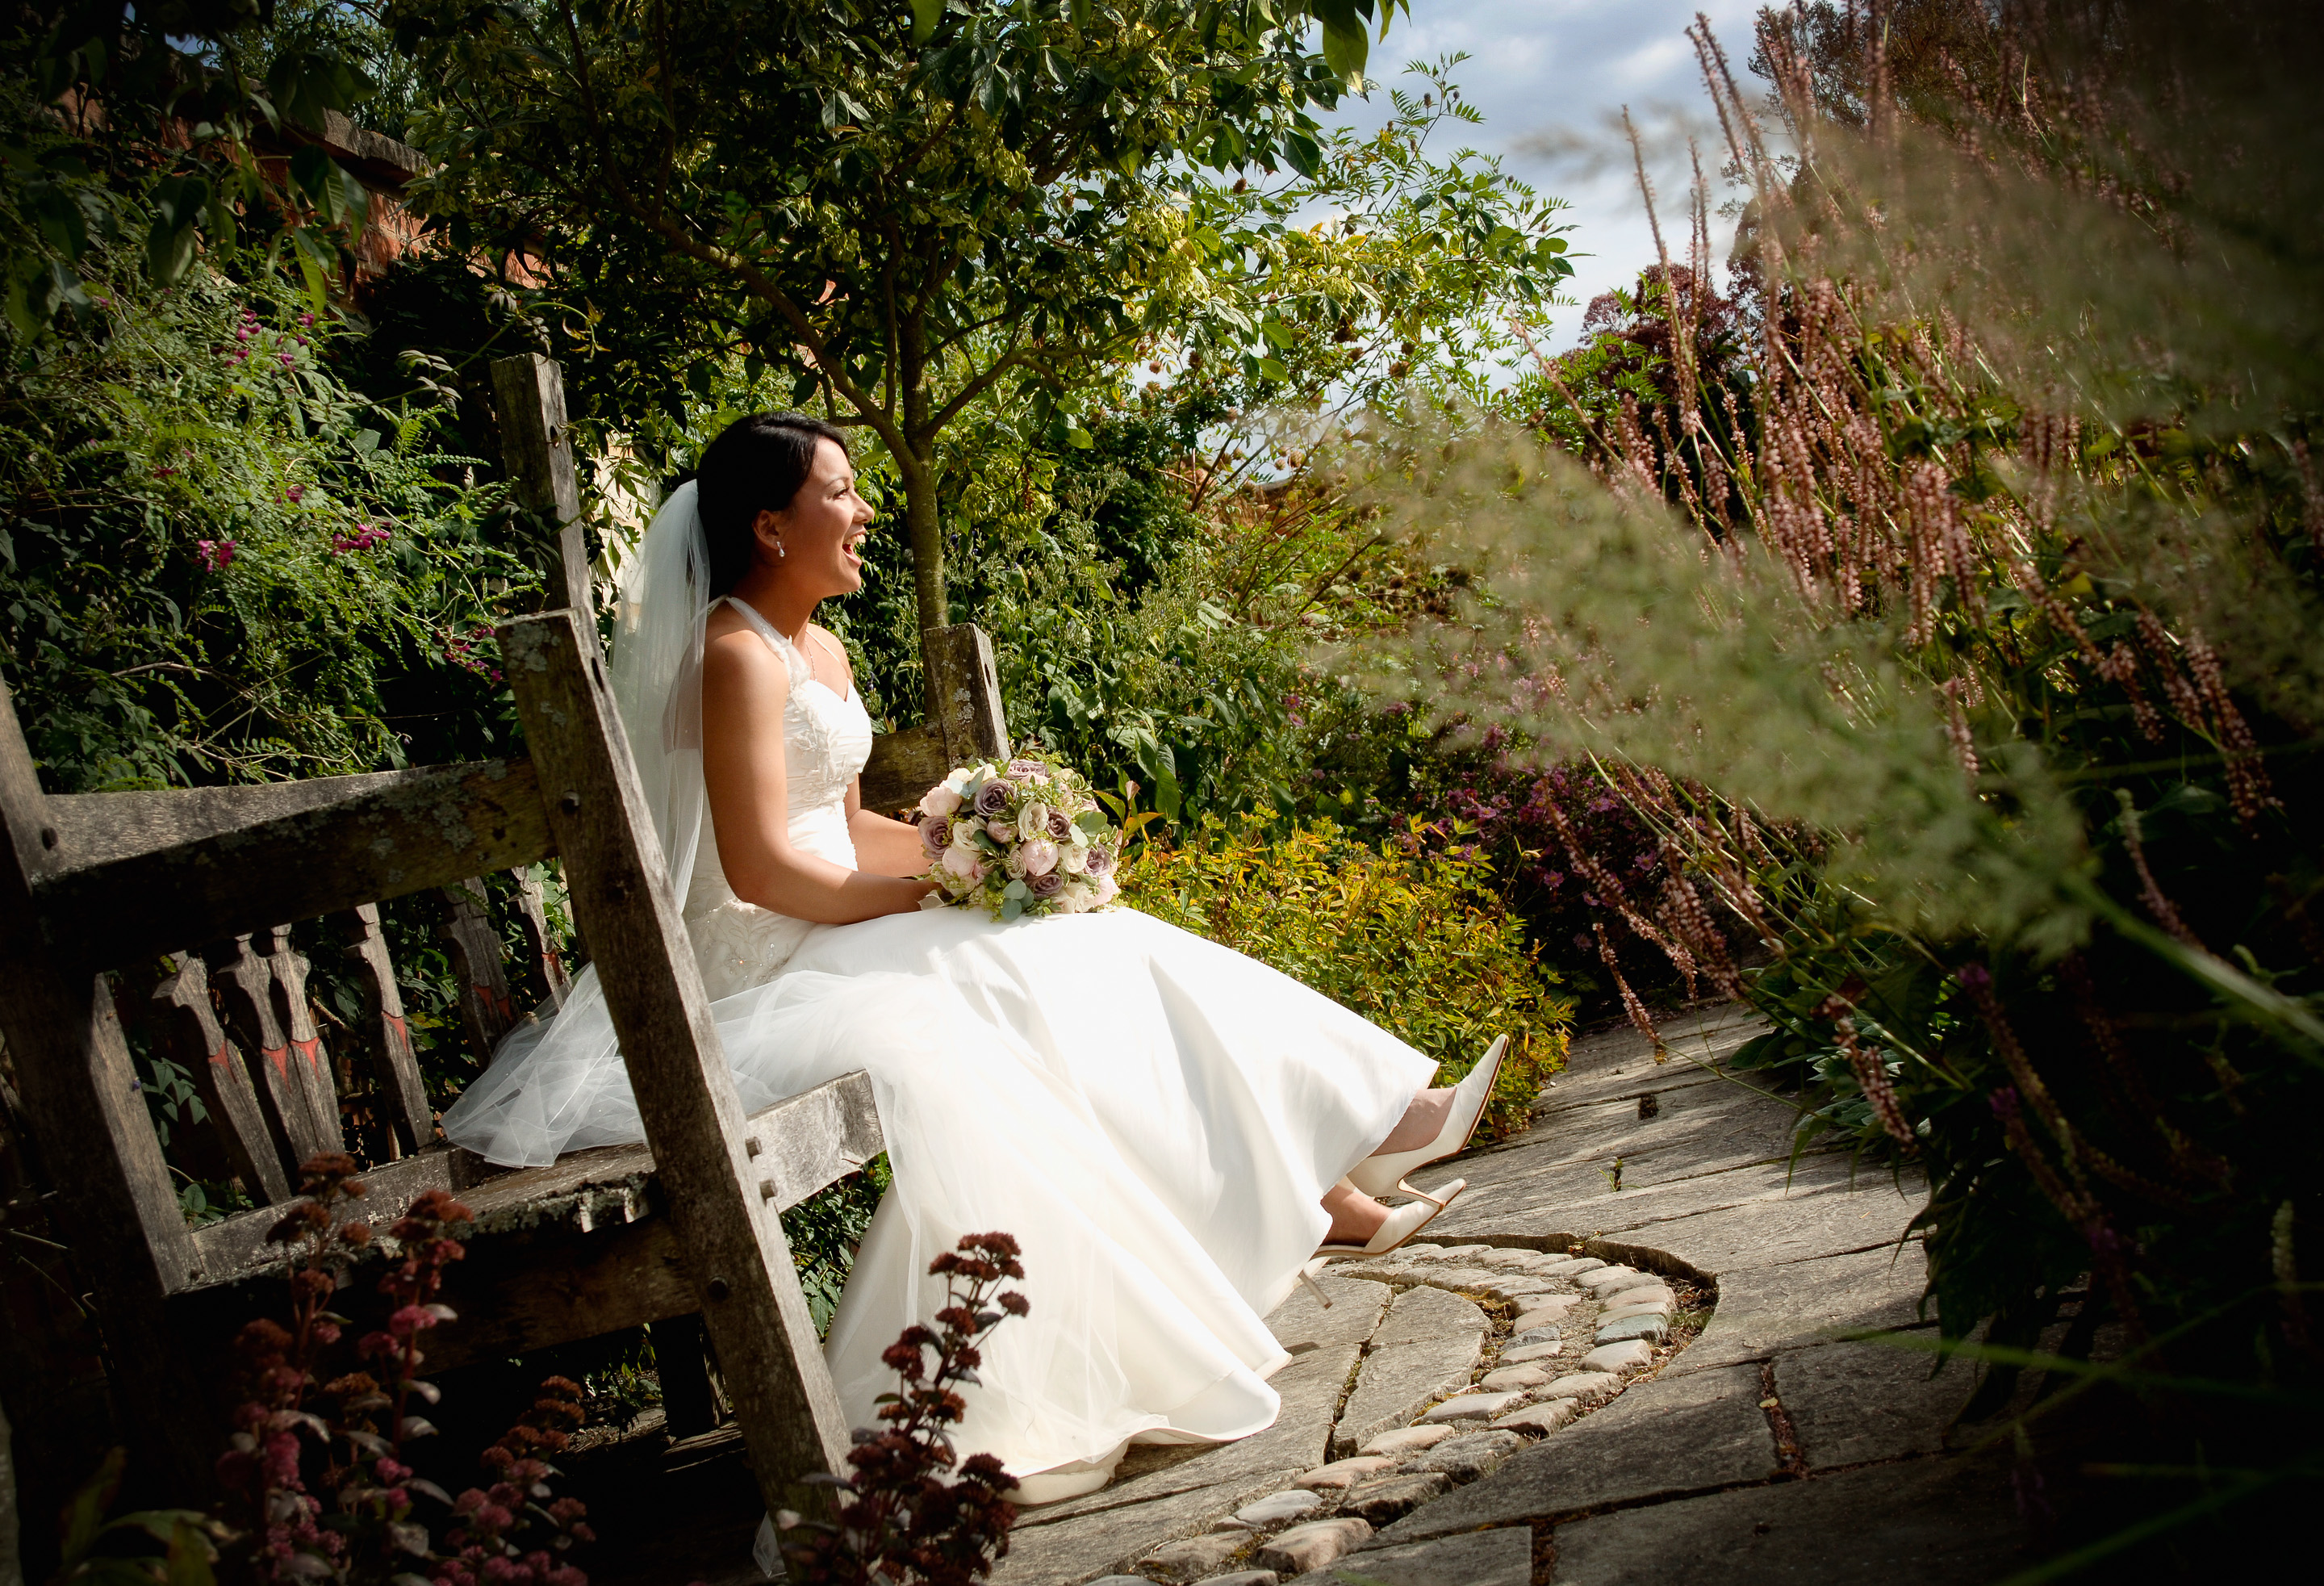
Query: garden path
(1759, 1450)
(1762, 1450)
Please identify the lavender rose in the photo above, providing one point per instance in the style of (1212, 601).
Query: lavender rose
(994, 797)
(1048, 884)
(935, 837)
(1061, 830)
(1100, 860)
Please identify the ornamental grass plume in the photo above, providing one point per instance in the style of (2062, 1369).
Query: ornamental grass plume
(1947, 611)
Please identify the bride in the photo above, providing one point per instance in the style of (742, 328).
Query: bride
(1170, 1129)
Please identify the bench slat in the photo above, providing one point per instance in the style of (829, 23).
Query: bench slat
(146, 865)
(570, 1251)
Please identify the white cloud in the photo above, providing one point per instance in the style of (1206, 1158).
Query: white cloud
(1551, 75)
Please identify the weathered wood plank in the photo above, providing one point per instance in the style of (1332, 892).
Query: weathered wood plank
(220, 1077)
(97, 828)
(299, 1118)
(370, 838)
(903, 766)
(486, 1010)
(384, 1038)
(88, 1124)
(964, 723)
(964, 693)
(810, 1140)
(544, 975)
(721, 1201)
(537, 450)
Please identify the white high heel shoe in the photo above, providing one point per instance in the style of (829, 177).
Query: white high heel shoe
(1384, 1174)
(1401, 1225)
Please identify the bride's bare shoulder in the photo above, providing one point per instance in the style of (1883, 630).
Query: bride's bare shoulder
(734, 656)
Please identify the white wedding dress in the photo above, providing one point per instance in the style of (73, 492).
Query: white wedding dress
(1154, 1119)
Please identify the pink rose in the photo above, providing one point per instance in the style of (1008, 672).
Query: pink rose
(1040, 856)
(960, 859)
(939, 801)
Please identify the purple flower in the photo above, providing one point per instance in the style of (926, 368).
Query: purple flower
(935, 837)
(1047, 885)
(214, 554)
(1974, 977)
(994, 797)
(1061, 830)
(295, 495)
(1100, 860)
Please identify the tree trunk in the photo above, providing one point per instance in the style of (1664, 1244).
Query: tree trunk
(924, 531)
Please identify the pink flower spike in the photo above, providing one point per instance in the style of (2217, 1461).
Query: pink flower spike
(306, 320)
(287, 360)
(295, 495)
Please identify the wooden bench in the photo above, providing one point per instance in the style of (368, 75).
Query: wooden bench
(100, 889)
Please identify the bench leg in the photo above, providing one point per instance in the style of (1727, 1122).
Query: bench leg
(722, 1200)
(687, 1399)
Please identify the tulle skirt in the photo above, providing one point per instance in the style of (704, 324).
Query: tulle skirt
(1154, 1119)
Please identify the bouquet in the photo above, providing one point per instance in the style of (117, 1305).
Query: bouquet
(1027, 838)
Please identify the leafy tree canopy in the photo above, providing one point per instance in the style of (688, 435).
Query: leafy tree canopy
(129, 125)
(911, 205)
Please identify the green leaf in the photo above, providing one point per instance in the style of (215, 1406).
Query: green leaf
(168, 250)
(926, 15)
(1346, 44)
(316, 172)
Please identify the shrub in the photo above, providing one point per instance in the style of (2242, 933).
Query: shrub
(1408, 931)
(897, 1517)
(218, 564)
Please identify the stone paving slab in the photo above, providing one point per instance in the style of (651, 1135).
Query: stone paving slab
(1485, 1558)
(1852, 1403)
(1396, 1383)
(1583, 1206)
(1764, 1311)
(1663, 1437)
(1932, 1523)
(1226, 1475)
(1352, 1317)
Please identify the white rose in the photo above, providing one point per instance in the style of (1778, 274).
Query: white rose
(1075, 858)
(1033, 820)
(964, 835)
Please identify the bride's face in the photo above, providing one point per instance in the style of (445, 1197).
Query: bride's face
(821, 533)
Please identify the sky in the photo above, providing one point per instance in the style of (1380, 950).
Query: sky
(1550, 76)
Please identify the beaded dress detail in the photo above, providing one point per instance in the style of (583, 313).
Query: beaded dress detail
(825, 742)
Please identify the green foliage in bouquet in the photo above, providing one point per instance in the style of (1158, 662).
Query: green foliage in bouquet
(1410, 933)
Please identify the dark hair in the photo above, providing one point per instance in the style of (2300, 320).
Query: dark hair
(756, 464)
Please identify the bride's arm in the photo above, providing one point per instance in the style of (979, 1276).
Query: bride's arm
(744, 688)
(888, 846)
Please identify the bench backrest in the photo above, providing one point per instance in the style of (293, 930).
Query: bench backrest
(200, 882)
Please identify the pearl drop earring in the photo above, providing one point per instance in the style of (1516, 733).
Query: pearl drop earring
(780, 552)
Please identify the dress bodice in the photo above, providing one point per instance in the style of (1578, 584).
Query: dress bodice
(825, 742)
